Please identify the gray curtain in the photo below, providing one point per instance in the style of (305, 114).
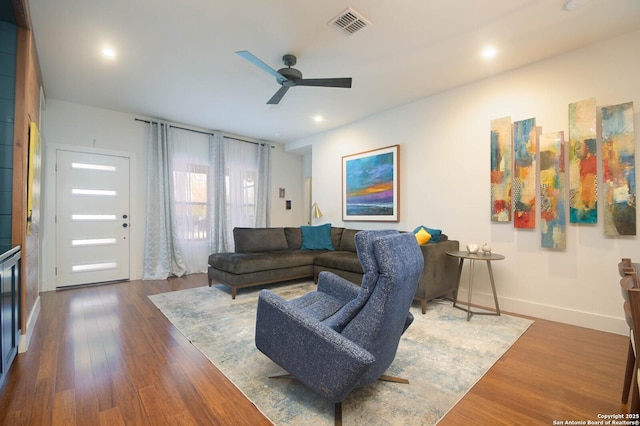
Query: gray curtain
(162, 256)
(217, 194)
(263, 198)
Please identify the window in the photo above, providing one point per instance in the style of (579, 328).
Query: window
(241, 197)
(190, 191)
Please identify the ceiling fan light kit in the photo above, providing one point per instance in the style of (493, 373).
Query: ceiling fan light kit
(290, 77)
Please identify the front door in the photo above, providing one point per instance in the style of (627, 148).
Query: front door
(92, 218)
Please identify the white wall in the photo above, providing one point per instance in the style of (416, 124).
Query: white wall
(98, 130)
(444, 180)
(287, 173)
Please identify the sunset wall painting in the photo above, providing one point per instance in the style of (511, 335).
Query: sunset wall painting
(370, 185)
(553, 220)
(583, 165)
(524, 173)
(618, 166)
(501, 163)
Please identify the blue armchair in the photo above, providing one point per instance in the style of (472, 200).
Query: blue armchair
(344, 336)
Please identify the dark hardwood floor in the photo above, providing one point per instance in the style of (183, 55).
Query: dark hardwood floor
(105, 355)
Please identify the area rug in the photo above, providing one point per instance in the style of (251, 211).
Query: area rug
(442, 354)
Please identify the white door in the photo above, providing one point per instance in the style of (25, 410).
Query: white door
(92, 218)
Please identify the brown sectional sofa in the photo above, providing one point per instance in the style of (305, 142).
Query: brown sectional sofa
(268, 255)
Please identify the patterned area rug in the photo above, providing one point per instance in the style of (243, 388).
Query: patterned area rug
(441, 354)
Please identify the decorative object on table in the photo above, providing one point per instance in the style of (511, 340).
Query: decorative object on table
(583, 164)
(472, 248)
(553, 221)
(619, 169)
(486, 248)
(501, 164)
(370, 185)
(524, 173)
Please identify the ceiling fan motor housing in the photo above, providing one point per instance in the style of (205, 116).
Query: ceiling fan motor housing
(290, 73)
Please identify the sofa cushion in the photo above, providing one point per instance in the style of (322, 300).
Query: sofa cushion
(336, 237)
(342, 260)
(252, 240)
(316, 305)
(316, 237)
(245, 263)
(348, 241)
(294, 237)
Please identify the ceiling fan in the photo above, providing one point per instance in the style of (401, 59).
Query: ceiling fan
(290, 77)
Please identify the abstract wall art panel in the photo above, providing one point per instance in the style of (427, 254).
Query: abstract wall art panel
(583, 165)
(619, 170)
(553, 222)
(501, 165)
(524, 173)
(370, 185)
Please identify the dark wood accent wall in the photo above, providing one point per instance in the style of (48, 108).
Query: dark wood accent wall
(27, 109)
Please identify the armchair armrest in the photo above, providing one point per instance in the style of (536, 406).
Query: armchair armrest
(313, 353)
(336, 286)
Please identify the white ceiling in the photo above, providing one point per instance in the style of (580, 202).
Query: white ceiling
(176, 61)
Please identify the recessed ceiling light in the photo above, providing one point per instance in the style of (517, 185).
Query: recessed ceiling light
(489, 52)
(108, 52)
(318, 119)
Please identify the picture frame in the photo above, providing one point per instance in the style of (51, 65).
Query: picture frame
(370, 185)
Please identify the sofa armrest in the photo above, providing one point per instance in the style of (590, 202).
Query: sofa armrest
(314, 354)
(440, 273)
(336, 286)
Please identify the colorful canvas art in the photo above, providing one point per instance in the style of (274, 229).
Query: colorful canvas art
(524, 173)
(501, 161)
(583, 166)
(618, 167)
(553, 222)
(370, 185)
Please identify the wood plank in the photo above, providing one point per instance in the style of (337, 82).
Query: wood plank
(107, 355)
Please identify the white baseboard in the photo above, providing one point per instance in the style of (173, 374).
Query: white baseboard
(552, 313)
(25, 338)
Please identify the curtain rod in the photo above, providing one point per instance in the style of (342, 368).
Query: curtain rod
(203, 132)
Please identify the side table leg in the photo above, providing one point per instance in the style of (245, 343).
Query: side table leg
(472, 263)
(493, 287)
(455, 293)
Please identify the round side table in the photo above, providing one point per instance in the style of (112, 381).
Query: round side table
(472, 257)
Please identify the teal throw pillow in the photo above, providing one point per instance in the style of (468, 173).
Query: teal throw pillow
(316, 237)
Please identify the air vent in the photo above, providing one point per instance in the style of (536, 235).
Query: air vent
(349, 22)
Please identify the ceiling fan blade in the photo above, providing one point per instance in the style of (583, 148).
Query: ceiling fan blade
(324, 82)
(257, 62)
(275, 99)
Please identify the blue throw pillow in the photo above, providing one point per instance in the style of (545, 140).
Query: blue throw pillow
(316, 237)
